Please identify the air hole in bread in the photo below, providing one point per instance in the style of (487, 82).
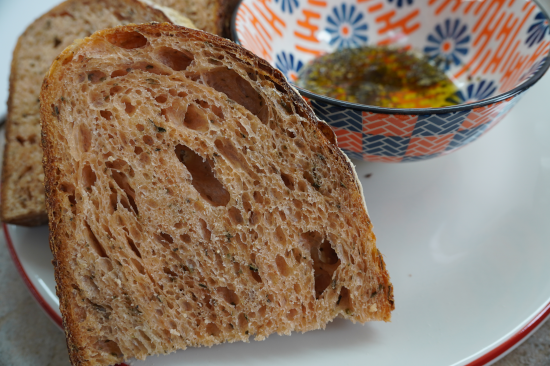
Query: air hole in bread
(113, 199)
(203, 178)
(107, 346)
(228, 295)
(322, 281)
(106, 114)
(127, 40)
(255, 275)
(255, 218)
(344, 301)
(174, 59)
(195, 119)
(185, 238)
(114, 90)
(161, 98)
(67, 187)
(138, 265)
(167, 238)
(324, 264)
(242, 321)
(239, 90)
(258, 197)
(84, 137)
(88, 176)
(148, 140)
(120, 165)
(92, 241)
(96, 76)
(280, 235)
(291, 133)
(235, 216)
(234, 156)
(214, 108)
(122, 181)
(246, 203)
(291, 314)
(118, 73)
(213, 330)
(327, 254)
(288, 181)
(133, 246)
(169, 272)
(205, 232)
(282, 266)
(128, 107)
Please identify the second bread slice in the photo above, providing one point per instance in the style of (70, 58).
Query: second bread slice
(195, 199)
(22, 189)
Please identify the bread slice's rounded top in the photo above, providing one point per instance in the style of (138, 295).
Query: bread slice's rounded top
(195, 199)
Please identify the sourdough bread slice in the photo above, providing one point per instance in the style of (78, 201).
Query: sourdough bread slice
(22, 190)
(195, 199)
(213, 16)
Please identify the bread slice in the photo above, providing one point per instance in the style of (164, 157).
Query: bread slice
(22, 190)
(213, 16)
(195, 199)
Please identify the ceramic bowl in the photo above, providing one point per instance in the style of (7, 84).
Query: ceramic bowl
(494, 50)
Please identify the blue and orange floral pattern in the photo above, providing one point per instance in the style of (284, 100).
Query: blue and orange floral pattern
(347, 27)
(400, 3)
(289, 65)
(475, 92)
(448, 44)
(288, 5)
(531, 71)
(537, 31)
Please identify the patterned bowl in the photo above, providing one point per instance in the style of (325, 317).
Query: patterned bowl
(494, 51)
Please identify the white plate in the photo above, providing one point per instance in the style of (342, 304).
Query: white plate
(466, 239)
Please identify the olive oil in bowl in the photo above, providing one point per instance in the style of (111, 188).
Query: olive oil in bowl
(379, 76)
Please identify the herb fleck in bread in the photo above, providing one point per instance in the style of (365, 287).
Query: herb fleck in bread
(22, 174)
(195, 199)
(213, 16)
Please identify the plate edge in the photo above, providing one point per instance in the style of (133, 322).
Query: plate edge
(486, 359)
(56, 318)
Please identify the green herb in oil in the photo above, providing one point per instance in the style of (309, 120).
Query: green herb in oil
(380, 76)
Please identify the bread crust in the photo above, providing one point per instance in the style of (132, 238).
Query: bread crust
(59, 221)
(213, 16)
(23, 203)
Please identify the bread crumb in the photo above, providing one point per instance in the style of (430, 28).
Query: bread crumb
(373, 308)
(174, 332)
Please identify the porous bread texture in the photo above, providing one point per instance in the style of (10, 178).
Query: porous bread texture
(213, 16)
(22, 174)
(195, 199)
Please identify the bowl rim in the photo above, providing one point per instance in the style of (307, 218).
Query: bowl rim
(416, 111)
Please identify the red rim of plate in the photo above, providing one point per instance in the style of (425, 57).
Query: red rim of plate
(34, 292)
(484, 359)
